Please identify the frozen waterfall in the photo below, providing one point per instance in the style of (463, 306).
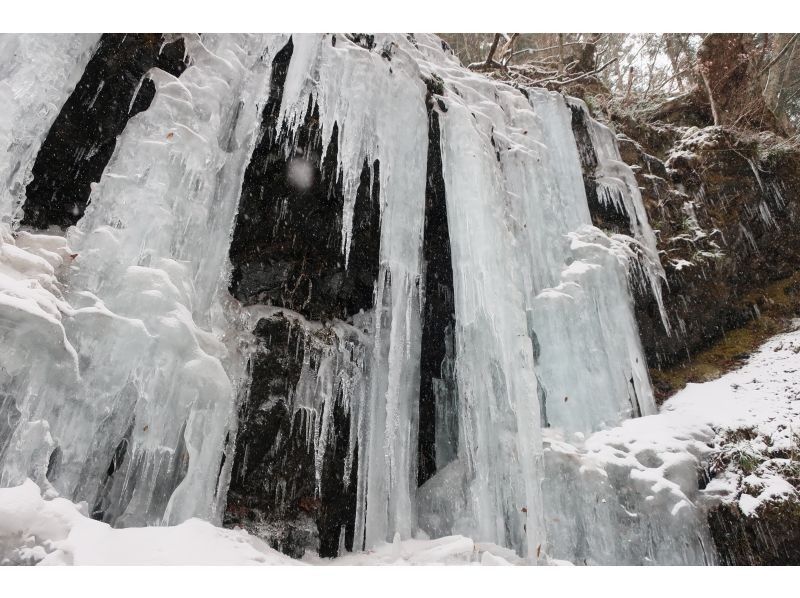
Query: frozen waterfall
(331, 288)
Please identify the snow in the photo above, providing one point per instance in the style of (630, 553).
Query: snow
(40, 531)
(34, 530)
(448, 550)
(680, 264)
(650, 466)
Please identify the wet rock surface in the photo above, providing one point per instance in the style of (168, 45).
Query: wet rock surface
(724, 206)
(274, 490)
(287, 244)
(770, 537)
(727, 212)
(287, 251)
(81, 141)
(437, 395)
(607, 216)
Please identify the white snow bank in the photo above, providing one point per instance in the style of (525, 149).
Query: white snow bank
(647, 473)
(762, 397)
(58, 532)
(34, 530)
(448, 550)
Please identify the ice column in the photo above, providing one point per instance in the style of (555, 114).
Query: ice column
(380, 112)
(486, 147)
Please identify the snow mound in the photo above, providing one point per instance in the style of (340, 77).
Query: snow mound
(34, 530)
(448, 550)
(37, 531)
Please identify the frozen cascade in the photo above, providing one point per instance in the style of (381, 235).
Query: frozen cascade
(126, 385)
(151, 391)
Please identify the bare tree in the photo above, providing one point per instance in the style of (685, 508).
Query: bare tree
(750, 80)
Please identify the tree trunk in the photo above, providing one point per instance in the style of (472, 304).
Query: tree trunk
(728, 66)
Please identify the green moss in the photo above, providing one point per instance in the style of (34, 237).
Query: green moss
(435, 84)
(778, 304)
(747, 463)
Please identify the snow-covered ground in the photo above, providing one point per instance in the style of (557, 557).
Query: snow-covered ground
(743, 426)
(35, 530)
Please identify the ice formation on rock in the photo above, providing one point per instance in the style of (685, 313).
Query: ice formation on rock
(37, 74)
(208, 323)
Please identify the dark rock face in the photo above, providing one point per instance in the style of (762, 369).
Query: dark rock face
(770, 538)
(604, 214)
(725, 209)
(274, 491)
(82, 139)
(730, 209)
(437, 378)
(273, 467)
(287, 243)
(287, 251)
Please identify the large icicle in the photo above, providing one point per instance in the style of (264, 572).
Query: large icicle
(617, 187)
(536, 290)
(378, 107)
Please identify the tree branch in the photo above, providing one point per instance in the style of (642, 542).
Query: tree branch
(578, 78)
(492, 50)
(780, 54)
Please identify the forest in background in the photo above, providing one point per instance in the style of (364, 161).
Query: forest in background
(742, 80)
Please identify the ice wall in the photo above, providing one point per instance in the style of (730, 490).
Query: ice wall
(129, 360)
(536, 288)
(138, 428)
